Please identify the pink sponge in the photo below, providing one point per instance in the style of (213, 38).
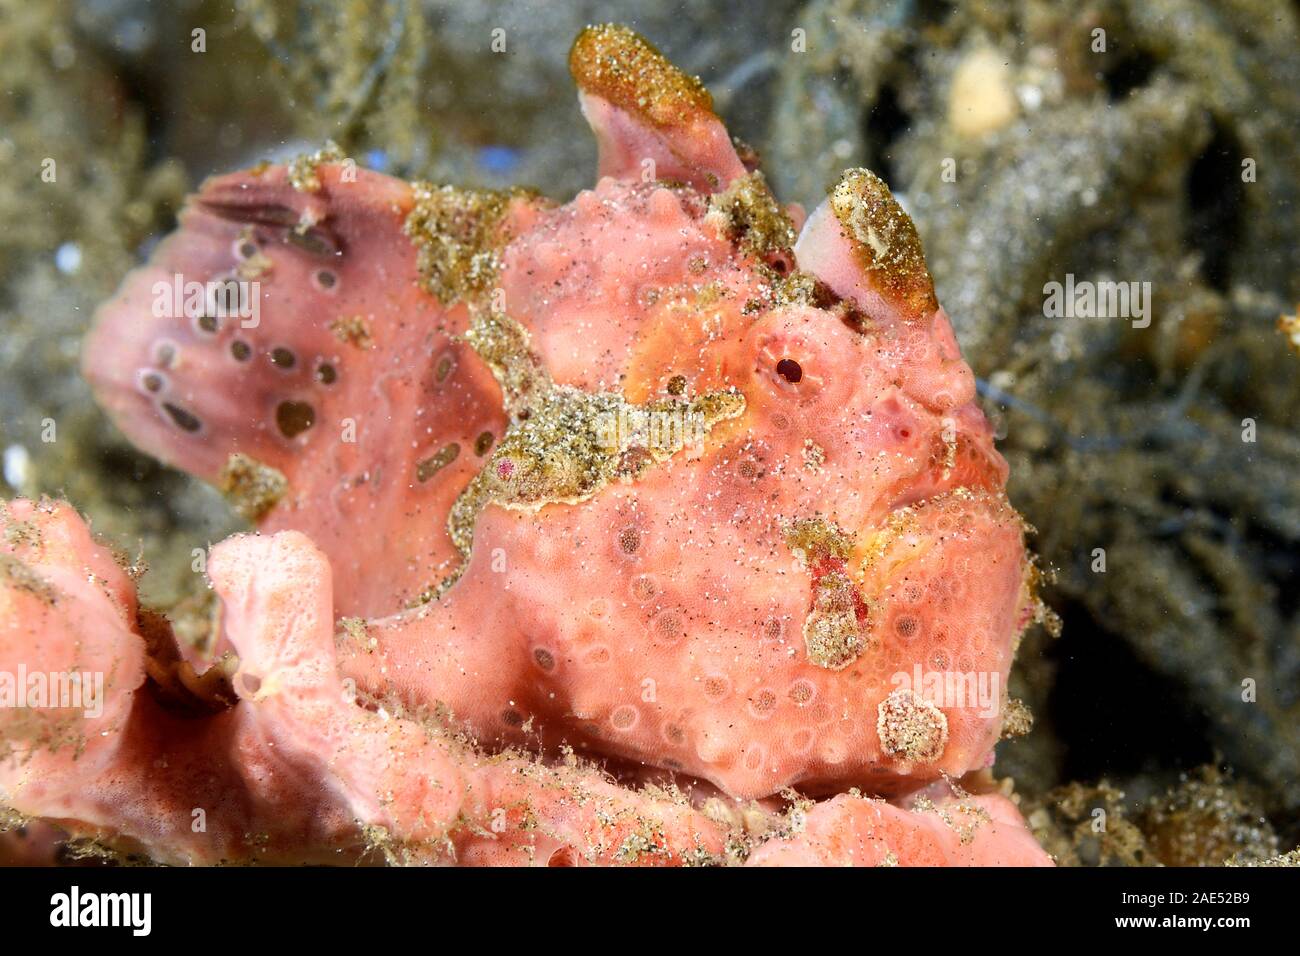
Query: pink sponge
(300, 768)
(947, 831)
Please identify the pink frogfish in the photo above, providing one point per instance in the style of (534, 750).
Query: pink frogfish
(670, 477)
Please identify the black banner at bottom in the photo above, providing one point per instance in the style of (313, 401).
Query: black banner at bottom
(333, 906)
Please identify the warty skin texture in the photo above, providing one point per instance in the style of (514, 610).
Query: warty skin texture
(299, 770)
(433, 368)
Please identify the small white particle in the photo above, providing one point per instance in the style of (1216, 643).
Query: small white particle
(16, 462)
(67, 258)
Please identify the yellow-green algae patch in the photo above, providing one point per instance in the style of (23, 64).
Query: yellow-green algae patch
(750, 215)
(563, 444)
(833, 636)
(302, 168)
(964, 818)
(623, 67)
(251, 487)
(815, 538)
(352, 330)
(885, 238)
(458, 235)
(911, 728)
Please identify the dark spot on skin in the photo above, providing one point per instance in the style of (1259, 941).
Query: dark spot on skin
(165, 355)
(852, 317)
(545, 659)
(443, 369)
(183, 419)
(294, 418)
(248, 249)
(677, 385)
(904, 433)
(512, 718)
(326, 373)
(629, 539)
(315, 240)
(633, 460)
(789, 370)
(241, 351)
(152, 381)
(435, 463)
(326, 278)
(259, 213)
(483, 443)
(208, 323)
(281, 357)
